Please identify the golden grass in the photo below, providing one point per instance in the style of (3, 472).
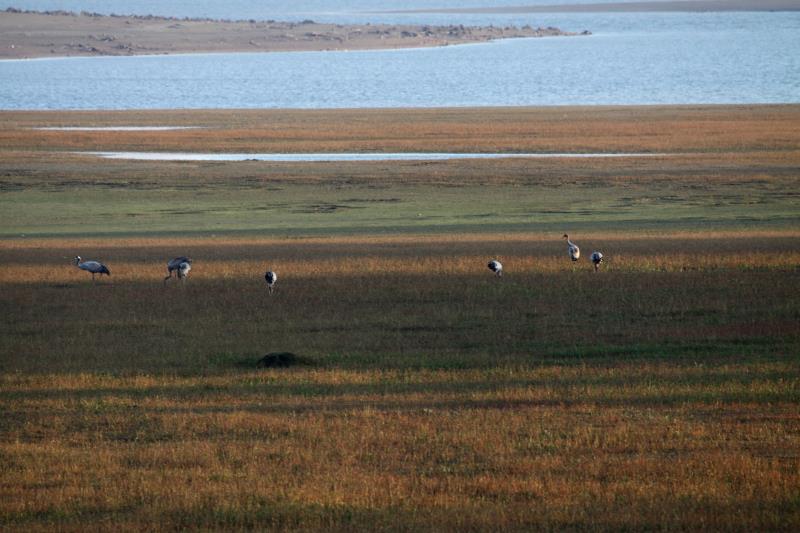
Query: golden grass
(690, 129)
(135, 259)
(348, 267)
(424, 240)
(116, 422)
(632, 446)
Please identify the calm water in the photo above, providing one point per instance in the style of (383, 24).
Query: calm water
(327, 157)
(632, 58)
(119, 128)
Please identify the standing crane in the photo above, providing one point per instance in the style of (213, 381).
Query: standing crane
(597, 258)
(271, 278)
(572, 249)
(181, 266)
(496, 267)
(95, 267)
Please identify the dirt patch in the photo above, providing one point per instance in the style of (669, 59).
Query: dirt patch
(283, 360)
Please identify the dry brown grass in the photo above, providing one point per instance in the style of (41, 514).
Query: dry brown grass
(547, 410)
(34, 261)
(689, 129)
(644, 446)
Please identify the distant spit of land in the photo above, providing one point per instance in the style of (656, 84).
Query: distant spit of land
(31, 34)
(621, 7)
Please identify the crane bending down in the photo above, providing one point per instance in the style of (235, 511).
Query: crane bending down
(597, 258)
(496, 267)
(95, 267)
(181, 266)
(572, 249)
(271, 278)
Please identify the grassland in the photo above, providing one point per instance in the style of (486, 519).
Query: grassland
(661, 393)
(724, 168)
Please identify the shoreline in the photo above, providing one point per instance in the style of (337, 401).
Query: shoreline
(367, 110)
(255, 52)
(36, 35)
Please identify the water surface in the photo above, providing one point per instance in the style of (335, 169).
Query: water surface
(327, 157)
(117, 128)
(631, 59)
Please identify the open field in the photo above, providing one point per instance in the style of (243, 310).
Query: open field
(661, 393)
(724, 168)
(423, 302)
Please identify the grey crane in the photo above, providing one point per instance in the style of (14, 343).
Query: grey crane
(271, 278)
(496, 267)
(95, 267)
(597, 258)
(181, 266)
(572, 249)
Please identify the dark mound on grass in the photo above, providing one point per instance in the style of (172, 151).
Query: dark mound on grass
(283, 360)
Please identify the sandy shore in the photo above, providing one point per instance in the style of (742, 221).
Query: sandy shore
(622, 7)
(31, 35)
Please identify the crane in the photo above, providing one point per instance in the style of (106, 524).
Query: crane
(95, 267)
(271, 278)
(181, 266)
(597, 258)
(496, 267)
(572, 249)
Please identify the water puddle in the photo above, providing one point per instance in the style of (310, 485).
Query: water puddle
(118, 128)
(333, 157)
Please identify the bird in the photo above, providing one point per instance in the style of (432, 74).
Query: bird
(597, 258)
(271, 278)
(181, 266)
(572, 248)
(496, 267)
(95, 267)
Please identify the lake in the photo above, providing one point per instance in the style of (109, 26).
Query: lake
(631, 59)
